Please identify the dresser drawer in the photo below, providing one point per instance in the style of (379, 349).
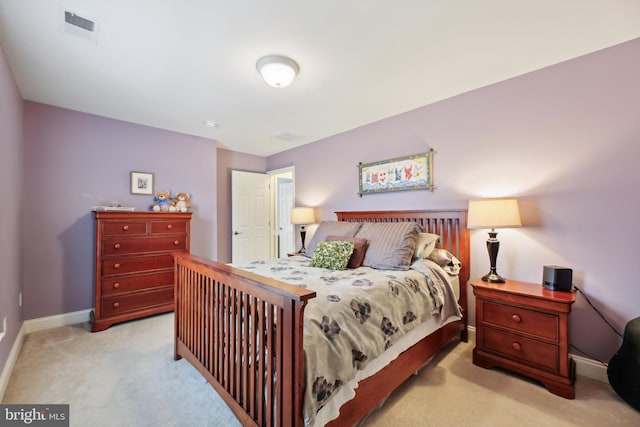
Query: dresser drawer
(124, 228)
(120, 285)
(521, 319)
(132, 246)
(164, 227)
(137, 264)
(522, 349)
(115, 305)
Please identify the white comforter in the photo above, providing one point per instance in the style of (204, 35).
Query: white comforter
(356, 316)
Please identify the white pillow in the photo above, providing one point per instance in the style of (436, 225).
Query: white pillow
(426, 244)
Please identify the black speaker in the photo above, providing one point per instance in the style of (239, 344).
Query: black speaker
(556, 278)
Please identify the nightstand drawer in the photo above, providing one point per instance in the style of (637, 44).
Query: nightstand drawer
(521, 320)
(521, 348)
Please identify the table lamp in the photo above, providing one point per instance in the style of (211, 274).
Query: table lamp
(493, 213)
(303, 216)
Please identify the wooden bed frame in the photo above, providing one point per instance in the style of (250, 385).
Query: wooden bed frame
(239, 329)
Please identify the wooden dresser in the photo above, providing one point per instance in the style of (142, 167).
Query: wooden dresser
(134, 263)
(524, 328)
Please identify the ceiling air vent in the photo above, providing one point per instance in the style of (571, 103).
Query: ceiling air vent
(79, 26)
(78, 21)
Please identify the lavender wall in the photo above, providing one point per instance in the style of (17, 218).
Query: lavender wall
(229, 161)
(565, 140)
(11, 168)
(74, 161)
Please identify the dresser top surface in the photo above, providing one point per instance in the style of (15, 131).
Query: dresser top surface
(139, 214)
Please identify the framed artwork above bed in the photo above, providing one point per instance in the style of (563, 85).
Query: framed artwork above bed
(413, 172)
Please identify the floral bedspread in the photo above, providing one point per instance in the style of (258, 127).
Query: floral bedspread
(356, 315)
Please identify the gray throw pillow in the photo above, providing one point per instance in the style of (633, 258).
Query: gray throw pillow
(391, 244)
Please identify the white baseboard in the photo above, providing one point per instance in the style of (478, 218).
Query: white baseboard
(11, 362)
(50, 322)
(590, 368)
(585, 367)
(36, 325)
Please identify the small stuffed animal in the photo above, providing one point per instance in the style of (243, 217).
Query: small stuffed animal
(162, 202)
(181, 202)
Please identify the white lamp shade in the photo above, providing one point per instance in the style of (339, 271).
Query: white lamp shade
(494, 213)
(303, 216)
(277, 71)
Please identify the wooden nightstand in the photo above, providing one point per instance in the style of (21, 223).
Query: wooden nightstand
(524, 328)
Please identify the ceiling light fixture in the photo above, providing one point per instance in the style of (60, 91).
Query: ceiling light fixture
(277, 71)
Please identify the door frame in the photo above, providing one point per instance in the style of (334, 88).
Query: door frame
(288, 172)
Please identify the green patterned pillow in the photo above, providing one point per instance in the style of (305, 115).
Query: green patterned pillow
(333, 255)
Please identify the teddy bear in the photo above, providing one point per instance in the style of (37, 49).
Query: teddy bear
(162, 202)
(181, 202)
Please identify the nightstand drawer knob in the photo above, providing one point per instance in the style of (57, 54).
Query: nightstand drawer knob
(116, 265)
(116, 246)
(516, 318)
(116, 304)
(116, 285)
(516, 346)
(125, 228)
(176, 242)
(169, 227)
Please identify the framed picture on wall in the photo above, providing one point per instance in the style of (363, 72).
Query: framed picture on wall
(405, 173)
(142, 183)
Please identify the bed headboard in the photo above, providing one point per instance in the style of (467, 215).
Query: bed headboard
(451, 225)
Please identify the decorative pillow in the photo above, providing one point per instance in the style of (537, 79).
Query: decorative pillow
(391, 244)
(359, 249)
(331, 228)
(332, 255)
(446, 260)
(426, 244)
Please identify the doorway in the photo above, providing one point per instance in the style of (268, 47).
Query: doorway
(282, 184)
(261, 214)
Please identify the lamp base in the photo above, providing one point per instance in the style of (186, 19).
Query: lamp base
(303, 235)
(493, 278)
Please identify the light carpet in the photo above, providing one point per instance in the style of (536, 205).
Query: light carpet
(126, 376)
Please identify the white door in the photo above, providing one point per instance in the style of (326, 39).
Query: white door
(249, 216)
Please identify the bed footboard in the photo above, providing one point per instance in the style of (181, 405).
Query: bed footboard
(243, 332)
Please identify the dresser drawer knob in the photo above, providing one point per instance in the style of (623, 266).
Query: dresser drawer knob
(116, 304)
(169, 227)
(116, 265)
(516, 318)
(125, 228)
(176, 242)
(116, 246)
(116, 285)
(516, 346)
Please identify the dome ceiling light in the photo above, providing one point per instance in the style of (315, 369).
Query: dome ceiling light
(277, 71)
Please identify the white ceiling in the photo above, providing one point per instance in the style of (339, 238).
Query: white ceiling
(174, 64)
